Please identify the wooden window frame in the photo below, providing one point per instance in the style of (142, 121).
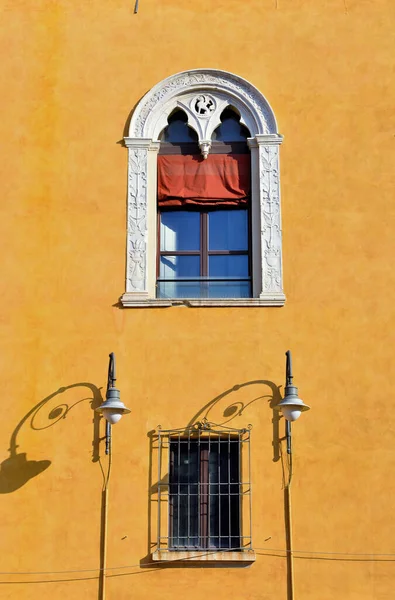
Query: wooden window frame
(204, 253)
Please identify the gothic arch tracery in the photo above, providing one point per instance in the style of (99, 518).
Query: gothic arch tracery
(203, 94)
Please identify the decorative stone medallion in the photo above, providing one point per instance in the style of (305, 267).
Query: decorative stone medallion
(203, 105)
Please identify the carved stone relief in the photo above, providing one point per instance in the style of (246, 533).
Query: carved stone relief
(270, 219)
(137, 220)
(203, 105)
(204, 115)
(205, 80)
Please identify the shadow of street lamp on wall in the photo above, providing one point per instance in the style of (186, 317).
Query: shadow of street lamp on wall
(17, 469)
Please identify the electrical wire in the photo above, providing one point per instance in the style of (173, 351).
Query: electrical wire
(371, 557)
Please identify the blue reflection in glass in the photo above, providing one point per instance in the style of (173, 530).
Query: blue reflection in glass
(228, 230)
(228, 266)
(179, 289)
(172, 267)
(204, 289)
(179, 230)
(229, 289)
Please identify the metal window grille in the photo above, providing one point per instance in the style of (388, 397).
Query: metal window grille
(204, 498)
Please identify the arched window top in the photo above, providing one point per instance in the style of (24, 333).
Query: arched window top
(203, 94)
(177, 130)
(230, 130)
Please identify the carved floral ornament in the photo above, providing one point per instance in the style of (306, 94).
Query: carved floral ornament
(203, 94)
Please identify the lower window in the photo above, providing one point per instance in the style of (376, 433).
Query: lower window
(204, 254)
(204, 500)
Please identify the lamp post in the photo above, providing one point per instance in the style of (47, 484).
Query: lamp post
(112, 408)
(291, 407)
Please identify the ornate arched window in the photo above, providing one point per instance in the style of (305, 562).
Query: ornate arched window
(212, 113)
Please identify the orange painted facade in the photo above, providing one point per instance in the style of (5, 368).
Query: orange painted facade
(71, 75)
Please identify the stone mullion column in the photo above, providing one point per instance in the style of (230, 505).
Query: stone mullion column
(141, 215)
(268, 281)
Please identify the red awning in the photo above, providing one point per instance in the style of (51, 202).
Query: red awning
(221, 179)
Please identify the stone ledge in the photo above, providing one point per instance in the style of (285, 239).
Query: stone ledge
(129, 301)
(186, 556)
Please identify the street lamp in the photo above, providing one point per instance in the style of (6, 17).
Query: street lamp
(291, 405)
(112, 408)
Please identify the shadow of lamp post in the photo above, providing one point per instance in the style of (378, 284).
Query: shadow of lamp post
(112, 410)
(17, 470)
(291, 407)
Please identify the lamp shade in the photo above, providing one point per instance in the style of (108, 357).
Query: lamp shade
(291, 405)
(112, 408)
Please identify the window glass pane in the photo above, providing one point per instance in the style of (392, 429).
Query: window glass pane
(228, 266)
(229, 289)
(179, 230)
(179, 289)
(203, 289)
(228, 230)
(172, 267)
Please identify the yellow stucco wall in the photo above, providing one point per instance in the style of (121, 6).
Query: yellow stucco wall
(71, 74)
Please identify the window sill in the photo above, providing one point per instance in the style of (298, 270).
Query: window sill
(187, 556)
(130, 301)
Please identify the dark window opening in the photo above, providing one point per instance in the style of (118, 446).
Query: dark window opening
(178, 131)
(204, 493)
(230, 130)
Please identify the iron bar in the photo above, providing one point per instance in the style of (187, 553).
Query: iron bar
(239, 477)
(229, 504)
(159, 486)
(206, 483)
(208, 494)
(219, 492)
(249, 488)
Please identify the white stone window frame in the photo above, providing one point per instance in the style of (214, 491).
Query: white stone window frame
(219, 89)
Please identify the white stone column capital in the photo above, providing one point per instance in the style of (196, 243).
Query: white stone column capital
(143, 143)
(272, 139)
